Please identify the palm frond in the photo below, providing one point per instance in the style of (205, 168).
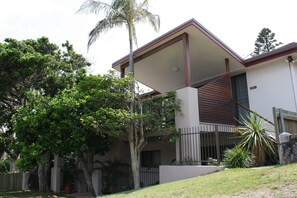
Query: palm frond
(144, 15)
(93, 7)
(103, 26)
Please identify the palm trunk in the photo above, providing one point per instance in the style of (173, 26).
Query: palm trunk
(132, 132)
(259, 154)
(87, 175)
(131, 61)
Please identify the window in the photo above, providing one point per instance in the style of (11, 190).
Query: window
(240, 94)
(150, 158)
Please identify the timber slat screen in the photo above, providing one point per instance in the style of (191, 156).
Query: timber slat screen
(214, 100)
(205, 144)
(285, 121)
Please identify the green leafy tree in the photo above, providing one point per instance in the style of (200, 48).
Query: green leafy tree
(117, 14)
(33, 65)
(78, 121)
(265, 42)
(256, 140)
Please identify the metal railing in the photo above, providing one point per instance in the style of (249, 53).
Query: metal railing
(149, 176)
(206, 143)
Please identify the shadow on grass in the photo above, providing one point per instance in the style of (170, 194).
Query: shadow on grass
(33, 194)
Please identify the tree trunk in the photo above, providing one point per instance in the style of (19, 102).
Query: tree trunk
(135, 165)
(87, 175)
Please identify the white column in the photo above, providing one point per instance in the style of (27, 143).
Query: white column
(25, 181)
(56, 174)
(97, 181)
(188, 118)
(189, 115)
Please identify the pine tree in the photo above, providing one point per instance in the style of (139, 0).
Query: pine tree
(265, 42)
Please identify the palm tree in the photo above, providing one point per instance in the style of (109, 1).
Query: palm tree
(117, 14)
(256, 139)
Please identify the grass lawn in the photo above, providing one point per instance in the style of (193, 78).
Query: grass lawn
(13, 194)
(280, 181)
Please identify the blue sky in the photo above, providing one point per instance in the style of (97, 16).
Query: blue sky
(236, 22)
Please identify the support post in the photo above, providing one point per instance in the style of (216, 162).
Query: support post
(218, 144)
(187, 65)
(122, 71)
(56, 174)
(25, 181)
(187, 118)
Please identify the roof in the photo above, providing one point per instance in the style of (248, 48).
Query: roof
(284, 50)
(177, 31)
(281, 51)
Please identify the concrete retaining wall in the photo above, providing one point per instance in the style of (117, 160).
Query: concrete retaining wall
(288, 148)
(175, 173)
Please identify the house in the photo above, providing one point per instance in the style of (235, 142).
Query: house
(215, 86)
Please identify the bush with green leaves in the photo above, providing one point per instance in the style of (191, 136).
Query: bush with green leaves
(256, 139)
(4, 166)
(238, 157)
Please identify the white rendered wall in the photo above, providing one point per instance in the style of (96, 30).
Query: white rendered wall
(175, 173)
(273, 88)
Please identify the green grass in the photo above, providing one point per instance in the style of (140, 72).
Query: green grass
(277, 181)
(33, 194)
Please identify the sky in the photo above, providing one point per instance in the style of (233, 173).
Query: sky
(235, 22)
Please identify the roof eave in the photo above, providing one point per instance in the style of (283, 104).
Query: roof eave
(175, 31)
(282, 51)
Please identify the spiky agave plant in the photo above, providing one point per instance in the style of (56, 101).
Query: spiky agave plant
(256, 139)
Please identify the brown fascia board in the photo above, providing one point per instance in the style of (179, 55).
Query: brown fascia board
(175, 31)
(279, 52)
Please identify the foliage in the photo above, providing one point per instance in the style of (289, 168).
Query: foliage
(33, 66)
(265, 42)
(76, 121)
(4, 166)
(256, 140)
(70, 169)
(111, 170)
(117, 14)
(238, 157)
(82, 119)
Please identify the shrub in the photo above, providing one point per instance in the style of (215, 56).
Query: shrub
(4, 166)
(238, 158)
(257, 140)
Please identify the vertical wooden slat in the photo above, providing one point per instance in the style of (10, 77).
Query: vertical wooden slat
(215, 104)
